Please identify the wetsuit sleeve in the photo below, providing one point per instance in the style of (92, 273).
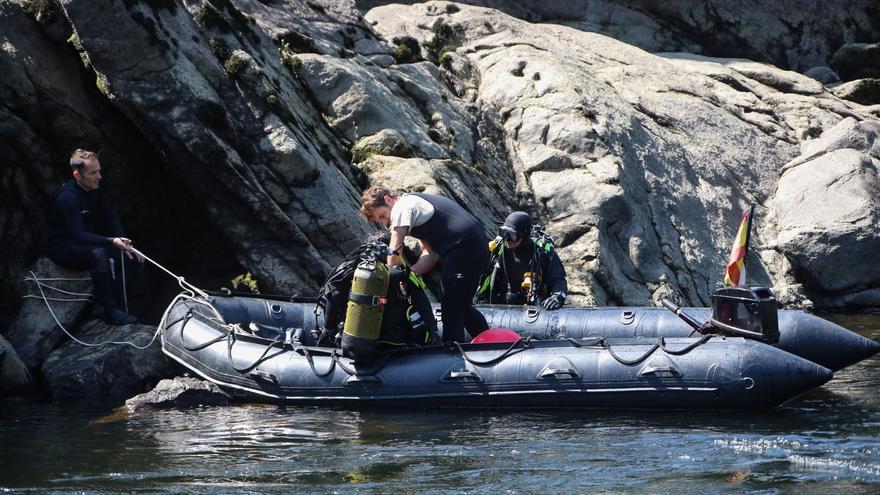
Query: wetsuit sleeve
(111, 218)
(555, 278)
(69, 208)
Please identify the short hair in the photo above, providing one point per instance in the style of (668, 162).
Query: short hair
(373, 198)
(79, 157)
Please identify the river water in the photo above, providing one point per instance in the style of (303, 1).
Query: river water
(825, 442)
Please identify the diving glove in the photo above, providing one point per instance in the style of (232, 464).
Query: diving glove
(555, 301)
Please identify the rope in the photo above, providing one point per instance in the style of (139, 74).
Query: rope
(180, 280)
(59, 299)
(57, 322)
(660, 344)
(39, 281)
(186, 286)
(124, 285)
(312, 363)
(230, 339)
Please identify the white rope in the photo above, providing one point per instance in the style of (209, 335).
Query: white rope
(191, 293)
(73, 299)
(39, 281)
(49, 306)
(183, 283)
(124, 288)
(55, 279)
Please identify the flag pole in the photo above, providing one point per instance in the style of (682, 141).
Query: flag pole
(748, 233)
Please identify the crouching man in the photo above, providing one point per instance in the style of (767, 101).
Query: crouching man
(84, 233)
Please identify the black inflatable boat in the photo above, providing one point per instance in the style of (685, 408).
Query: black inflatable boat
(261, 349)
(797, 332)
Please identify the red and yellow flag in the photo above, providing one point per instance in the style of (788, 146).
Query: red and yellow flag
(735, 274)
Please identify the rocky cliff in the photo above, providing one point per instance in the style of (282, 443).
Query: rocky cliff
(237, 135)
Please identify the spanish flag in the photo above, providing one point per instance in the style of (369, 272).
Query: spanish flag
(735, 274)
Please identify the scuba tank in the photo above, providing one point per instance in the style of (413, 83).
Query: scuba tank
(366, 304)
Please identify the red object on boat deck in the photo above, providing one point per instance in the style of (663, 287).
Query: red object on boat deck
(496, 334)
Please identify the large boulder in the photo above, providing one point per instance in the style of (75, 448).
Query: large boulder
(179, 392)
(53, 296)
(785, 33)
(107, 368)
(864, 91)
(14, 375)
(260, 122)
(639, 164)
(857, 61)
(828, 217)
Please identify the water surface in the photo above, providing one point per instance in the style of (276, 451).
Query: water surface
(824, 442)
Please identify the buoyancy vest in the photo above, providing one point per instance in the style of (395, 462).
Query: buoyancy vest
(449, 224)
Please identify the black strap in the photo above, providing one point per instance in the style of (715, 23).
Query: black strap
(365, 299)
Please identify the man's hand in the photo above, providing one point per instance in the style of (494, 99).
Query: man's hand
(554, 302)
(124, 245)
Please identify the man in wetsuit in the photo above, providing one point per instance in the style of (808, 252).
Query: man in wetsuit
(84, 233)
(446, 232)
(525, 268)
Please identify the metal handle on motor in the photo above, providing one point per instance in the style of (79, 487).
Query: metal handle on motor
(690, 320)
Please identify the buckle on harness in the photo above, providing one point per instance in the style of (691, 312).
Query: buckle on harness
(365, 299)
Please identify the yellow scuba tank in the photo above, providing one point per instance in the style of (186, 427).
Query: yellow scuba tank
(366, 303)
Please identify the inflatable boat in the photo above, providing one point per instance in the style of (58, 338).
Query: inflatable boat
(263, 349)
(797, 332)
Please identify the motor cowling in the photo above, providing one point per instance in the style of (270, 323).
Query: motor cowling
(747, 312)
(366, 305)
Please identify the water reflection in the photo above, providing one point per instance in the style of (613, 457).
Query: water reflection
(823, 442)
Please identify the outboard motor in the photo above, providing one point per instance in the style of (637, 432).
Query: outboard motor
(745, 312)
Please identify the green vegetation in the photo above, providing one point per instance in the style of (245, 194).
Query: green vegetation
(445, 58)
(102, 86)
(361, 153)
(209, 17)
(446, 38)
(219, 49)
(246, 281)
(295, 42)
(290, 60)
(234, 64)
(406, 50)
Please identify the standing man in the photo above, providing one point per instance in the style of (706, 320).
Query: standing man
(525, 268)
(84, 233)
(446, 232)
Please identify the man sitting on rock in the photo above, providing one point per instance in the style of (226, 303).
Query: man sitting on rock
(524, 268)
(84, 233)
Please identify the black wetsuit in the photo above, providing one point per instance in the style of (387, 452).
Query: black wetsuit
(461, 242)
(79, 222)
(505, 284)
(81, 227)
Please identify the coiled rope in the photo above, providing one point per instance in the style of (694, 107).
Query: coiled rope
(190, 290)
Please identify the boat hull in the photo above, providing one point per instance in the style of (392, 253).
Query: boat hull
(630, 373)
(800, 333)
